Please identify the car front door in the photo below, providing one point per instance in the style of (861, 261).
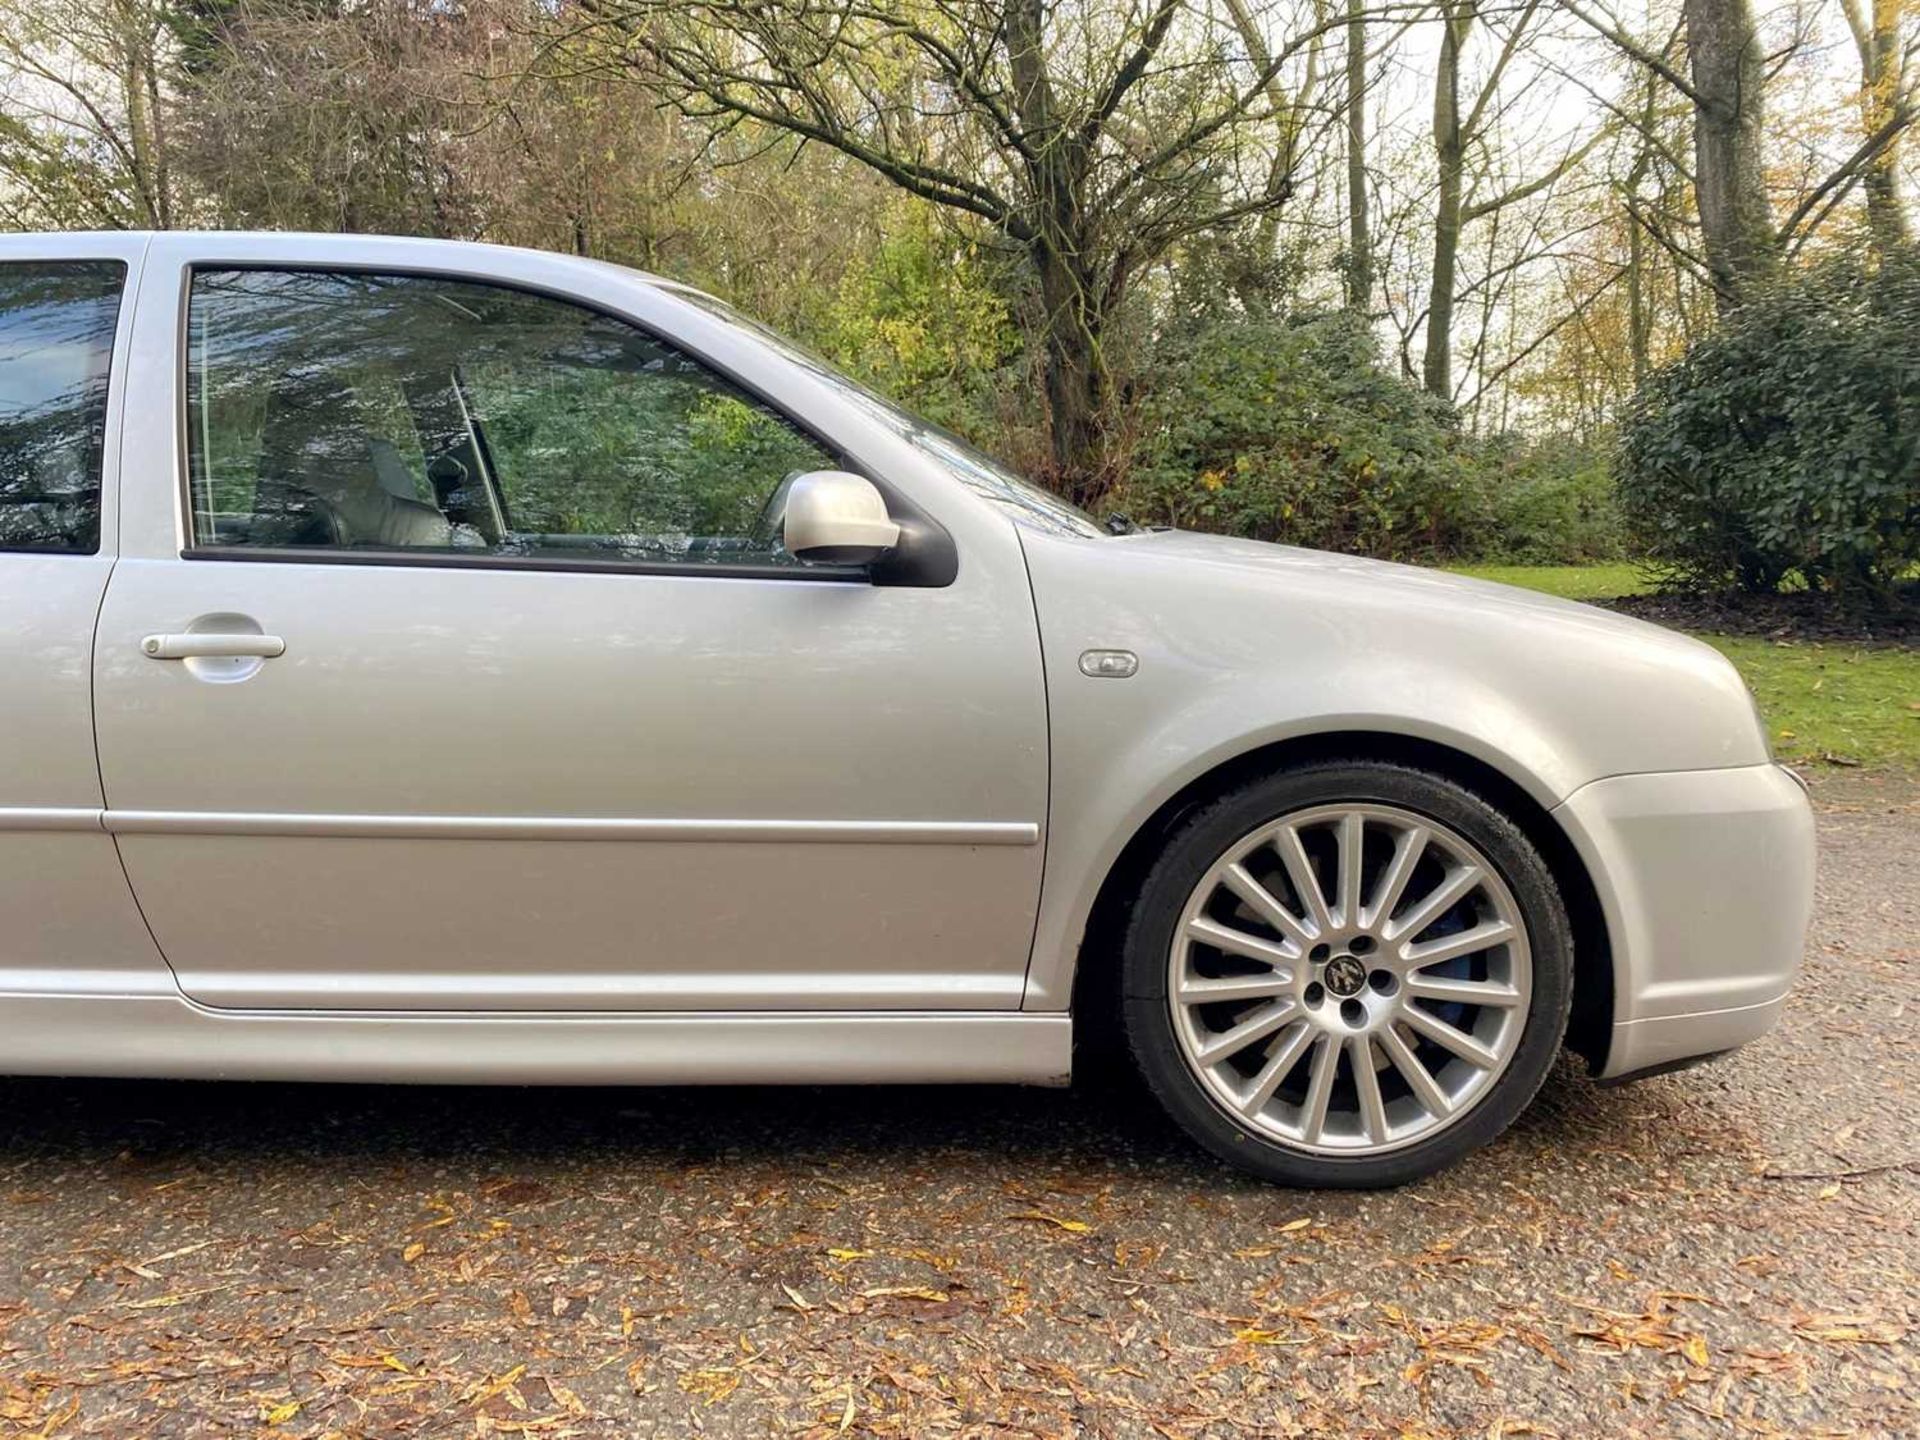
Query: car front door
(462, 668)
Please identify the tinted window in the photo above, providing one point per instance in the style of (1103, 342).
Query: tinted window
(56, 341)
(390, 412)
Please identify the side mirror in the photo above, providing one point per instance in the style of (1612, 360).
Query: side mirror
(837, 517)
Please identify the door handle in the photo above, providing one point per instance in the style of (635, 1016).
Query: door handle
(192, 645)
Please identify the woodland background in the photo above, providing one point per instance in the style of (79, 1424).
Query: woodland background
(1537, 281)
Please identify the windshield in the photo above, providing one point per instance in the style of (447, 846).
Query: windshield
(975, 469)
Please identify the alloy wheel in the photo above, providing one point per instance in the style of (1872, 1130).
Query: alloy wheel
(1349, 979)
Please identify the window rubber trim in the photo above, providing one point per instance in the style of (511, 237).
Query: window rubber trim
(926, 559)
(455, 560)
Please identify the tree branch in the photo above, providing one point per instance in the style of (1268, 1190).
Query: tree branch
(1849, 170)
(1130, 72)
(1635, 51)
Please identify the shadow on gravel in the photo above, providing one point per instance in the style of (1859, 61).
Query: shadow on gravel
(1098, 1127)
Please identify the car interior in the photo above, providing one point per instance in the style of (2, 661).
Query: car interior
(378, 434)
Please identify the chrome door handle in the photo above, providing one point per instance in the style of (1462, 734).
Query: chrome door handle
(191, 644)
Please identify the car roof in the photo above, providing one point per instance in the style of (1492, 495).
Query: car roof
(347, 242)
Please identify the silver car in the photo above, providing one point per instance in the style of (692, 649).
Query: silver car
(424, 661)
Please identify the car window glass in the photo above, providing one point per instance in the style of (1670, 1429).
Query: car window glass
(385, 412)
(56, 342)
(972, 467)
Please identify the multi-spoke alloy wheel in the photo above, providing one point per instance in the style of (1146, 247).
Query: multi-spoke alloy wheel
(1363, 972)
(1350, 978)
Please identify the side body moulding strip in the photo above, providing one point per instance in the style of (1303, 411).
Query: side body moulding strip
(46, 818)
(491, 827)
(514, 827)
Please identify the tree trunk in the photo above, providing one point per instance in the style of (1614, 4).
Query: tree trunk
(1078, 383)
(1639, 326)
(139, 81)
(1878, 40)
(1359, 223)
(1639, 299)
(1077, 380)
(1729, 76)
(1450, 151)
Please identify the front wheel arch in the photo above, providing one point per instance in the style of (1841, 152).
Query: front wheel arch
(1096, 990)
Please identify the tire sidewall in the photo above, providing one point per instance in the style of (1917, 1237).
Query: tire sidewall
(1200, 841)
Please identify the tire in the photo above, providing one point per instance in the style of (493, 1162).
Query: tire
(1372, 1122)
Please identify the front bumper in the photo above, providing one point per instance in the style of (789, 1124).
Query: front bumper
(1705, 879)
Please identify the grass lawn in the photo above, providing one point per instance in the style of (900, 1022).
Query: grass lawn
(1570, 582)
(1849, 701)
(1856, 702)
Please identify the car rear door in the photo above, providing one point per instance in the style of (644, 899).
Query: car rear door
(368, 744)
(67, 922)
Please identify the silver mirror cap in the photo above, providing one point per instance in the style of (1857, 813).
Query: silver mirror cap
(837, 517)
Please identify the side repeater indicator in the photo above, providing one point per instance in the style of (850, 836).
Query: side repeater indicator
(1109, 664)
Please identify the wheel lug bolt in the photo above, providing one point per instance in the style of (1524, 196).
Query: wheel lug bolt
(1318, 955)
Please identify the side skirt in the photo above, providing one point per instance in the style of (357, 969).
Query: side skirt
(168, 1037)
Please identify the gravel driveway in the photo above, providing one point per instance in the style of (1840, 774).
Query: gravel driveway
(1731, 1251)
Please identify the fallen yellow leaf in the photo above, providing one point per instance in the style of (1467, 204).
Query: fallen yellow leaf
(1260, 1337)
(489, 1389)
(1075, 1227)
(715, 1383)
(167, 1302)
(1856, 1329)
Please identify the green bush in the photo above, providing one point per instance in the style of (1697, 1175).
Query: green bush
(1786, 444)
(1294, 431)
(1554, 503)
(921, 318)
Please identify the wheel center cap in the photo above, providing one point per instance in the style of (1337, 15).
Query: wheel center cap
(1345, 976)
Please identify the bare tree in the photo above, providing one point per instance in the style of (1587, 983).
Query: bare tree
(1091, 135)
(1886, 88)
(1728, 68)
(1454, 135)
(1726, 81)
(1651, 181)
(1256, 274)
(1450, 133)
(1359, 267)
(1639, 302)
(83, 132)
(402, 116)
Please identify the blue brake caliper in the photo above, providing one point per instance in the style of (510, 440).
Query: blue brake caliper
(1460, 967)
